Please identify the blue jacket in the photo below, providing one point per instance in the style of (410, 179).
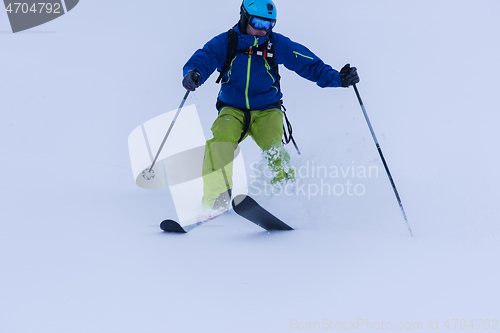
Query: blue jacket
(250, 83)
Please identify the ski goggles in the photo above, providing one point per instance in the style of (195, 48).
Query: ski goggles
(260, 23)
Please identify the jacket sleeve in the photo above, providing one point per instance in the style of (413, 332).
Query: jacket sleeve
(209, 58)
(299, 59)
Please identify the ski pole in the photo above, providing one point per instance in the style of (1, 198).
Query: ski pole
(149, 173)
(383, 159)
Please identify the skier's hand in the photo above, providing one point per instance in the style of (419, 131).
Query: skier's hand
(349, 75)
(192, 80)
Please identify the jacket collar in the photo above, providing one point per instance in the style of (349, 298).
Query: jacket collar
(245, 41)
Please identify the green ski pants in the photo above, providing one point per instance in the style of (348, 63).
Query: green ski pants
(265, 128)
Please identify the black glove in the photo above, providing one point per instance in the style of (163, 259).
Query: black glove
(192, 80)
(349, 75)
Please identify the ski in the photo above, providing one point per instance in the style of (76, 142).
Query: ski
(244, 206)
(173, 226)
(248, 208)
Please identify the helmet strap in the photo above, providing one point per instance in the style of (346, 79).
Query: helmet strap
(244, 17)
(242, 24)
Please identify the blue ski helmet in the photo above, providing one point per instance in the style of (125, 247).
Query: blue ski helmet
(261, 8)
(254, 10)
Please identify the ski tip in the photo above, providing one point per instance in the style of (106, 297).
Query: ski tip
(172, 226)
(239, 199)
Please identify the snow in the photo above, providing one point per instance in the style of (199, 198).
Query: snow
(80, 247)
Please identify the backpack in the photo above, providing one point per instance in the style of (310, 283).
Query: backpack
(265, 50)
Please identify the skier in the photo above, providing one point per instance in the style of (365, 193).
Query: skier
(249, 101)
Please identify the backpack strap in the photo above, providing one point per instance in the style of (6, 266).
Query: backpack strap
(286, 139)
(232, 44)
(272, 60)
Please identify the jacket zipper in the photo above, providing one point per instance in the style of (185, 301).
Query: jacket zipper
(248, 72)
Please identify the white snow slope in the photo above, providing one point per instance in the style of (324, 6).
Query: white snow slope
(80, 247)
